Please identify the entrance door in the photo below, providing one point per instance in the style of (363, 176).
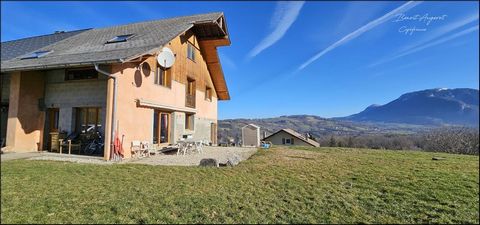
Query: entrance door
(51, 125)
(161, 127)
(213, 133)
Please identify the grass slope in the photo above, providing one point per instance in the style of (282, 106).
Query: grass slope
(324, 185)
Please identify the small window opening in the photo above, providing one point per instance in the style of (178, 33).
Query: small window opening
(120, 38)
(37, 54)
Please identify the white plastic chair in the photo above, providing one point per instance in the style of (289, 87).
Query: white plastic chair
(182, 147)
(146, 149)
(199, 146)
(136, 148)
(149, 148)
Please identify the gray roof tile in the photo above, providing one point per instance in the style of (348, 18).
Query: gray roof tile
(89, 46)
(16, 48)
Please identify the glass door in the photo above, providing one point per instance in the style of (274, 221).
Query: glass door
(161, 127)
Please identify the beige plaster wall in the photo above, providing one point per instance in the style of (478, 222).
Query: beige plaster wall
(136, 81)
(25, 120)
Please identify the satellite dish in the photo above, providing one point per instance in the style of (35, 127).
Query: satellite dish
(166, 58)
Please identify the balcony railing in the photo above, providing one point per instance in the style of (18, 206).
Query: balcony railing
(190, 101)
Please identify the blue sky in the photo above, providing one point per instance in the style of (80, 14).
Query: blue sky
(322, 58)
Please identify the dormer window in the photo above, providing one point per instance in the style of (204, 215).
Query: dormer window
(120, 38)
(37, 54)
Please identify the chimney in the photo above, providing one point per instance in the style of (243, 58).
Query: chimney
(264, 135)
(307, 136)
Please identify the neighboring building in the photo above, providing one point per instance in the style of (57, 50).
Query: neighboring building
(290, 137)
(251, 135)
(108, 78)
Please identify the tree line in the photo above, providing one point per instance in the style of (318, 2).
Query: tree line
(460, 140)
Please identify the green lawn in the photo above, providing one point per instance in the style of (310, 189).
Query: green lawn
(323, 185)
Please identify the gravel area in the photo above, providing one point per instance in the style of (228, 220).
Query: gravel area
(221, 154)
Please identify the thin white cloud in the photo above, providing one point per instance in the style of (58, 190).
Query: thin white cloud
(438, 33)
(284, 16)
(445, 29)
(351, 18)
(441, 40)
(403, 8)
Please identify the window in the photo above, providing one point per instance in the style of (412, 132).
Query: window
(190, 93)
(53, 115)
(191, 52)
(189, 121)
(81, 74)
(162, 77)
(88, 120)
(287, 141)
(120, 38)
(190, 86)
(35, 55)
(208, 94)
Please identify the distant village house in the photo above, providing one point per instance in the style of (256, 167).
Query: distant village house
(292, 138)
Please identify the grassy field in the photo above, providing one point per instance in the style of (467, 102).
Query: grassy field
(323, 185)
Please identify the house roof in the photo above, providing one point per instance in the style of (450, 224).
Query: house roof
(252, 125)
(89, 46)
(297, 135)
(16, 48)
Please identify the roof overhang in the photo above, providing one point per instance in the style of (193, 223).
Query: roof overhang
(212, 34)
(58, 66)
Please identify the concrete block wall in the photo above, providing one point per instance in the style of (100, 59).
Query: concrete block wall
(66, 95)
(201, 130)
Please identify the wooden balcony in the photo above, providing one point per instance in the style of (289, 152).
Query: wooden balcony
(190, 101)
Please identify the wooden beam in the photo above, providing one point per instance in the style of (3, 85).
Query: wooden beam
(215, 42)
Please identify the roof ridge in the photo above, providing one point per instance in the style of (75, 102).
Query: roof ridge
(139, 22)
(156, 20)
(44, 35)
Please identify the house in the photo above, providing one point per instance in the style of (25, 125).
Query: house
(251, 135)
(108, 80)
(290, 137)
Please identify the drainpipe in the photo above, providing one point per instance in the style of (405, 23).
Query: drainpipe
(112, 132)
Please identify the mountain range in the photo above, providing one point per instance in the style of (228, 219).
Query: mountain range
(439, 106)
(410, 113)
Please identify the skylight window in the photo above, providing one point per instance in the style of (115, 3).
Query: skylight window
(35, 55)
(120, 38)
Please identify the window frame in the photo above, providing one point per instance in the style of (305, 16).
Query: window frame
(113, 40)
(208, 93)
(81, 123)
(191, 51)
(190, 121)
(67, 78)
(36, 54)
(164, 79)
